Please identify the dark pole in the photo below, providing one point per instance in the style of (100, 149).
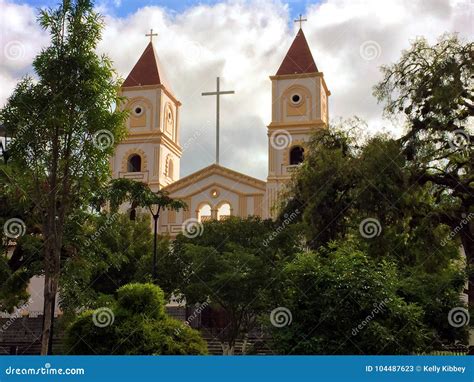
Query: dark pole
(155, 217)
(50, 343)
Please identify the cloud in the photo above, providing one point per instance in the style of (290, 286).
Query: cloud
(21, 39)
(244, 42)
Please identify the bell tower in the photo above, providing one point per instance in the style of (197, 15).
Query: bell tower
(151, 152)
(299, 106)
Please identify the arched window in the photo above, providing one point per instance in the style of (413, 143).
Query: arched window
(134, 163)
(223, 211)
(169, 121)
(204, 213)
(296, 155)
(169, 173)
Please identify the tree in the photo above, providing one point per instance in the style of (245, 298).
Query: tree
(430, 87)
(134, 324)
(340, 301)
(63, 127)
(323, 186)
(20, 239)
(346, 188)
(233, 265)
(109, 248)
(140, 195)
(111, 251)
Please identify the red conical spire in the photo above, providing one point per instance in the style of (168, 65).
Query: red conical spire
(146, 71)
(299, 59)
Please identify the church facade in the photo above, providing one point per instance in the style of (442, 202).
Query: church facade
(151, 153)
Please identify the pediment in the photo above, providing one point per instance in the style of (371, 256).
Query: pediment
(216, 176)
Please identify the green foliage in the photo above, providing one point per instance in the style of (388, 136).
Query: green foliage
(355, 181)
(112, 251)
(13, 287)
(20, 256)
(323, 185)
(139, 195)
(343, 302)
(139, 327)
(64, 126)
(430, 88)
(430, 81)
(144, 299)
(437, 294)
(53, 121)
(233, 265)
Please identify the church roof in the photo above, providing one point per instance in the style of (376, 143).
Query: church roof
(299, 59)
(147, 70)
(216, 169)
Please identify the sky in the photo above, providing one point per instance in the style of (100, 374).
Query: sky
(244, 42)
(123, 8)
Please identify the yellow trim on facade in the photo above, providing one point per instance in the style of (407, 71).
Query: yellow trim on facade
(219, 170)
(151, 87)
(302, 75)
(214, 185)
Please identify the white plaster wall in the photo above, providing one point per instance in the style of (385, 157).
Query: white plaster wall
(198, 193)
(312, 84)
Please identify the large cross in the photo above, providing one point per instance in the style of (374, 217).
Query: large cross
(217, 93)
(300, 20)
(151, 34)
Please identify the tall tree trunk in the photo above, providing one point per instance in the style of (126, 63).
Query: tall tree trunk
(51, 283)
(48, 309)
(47, 318)
(467, 240)
(52, 256)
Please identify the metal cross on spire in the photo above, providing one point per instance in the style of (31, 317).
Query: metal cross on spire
(217, 93)
(300, 20)
(151, 35)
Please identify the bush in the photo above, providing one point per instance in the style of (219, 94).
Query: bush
(144, 299)
(135, 324)
(343, 302)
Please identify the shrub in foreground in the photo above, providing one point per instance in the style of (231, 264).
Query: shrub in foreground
(135, 324)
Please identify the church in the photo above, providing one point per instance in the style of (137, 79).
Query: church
(151, 152)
